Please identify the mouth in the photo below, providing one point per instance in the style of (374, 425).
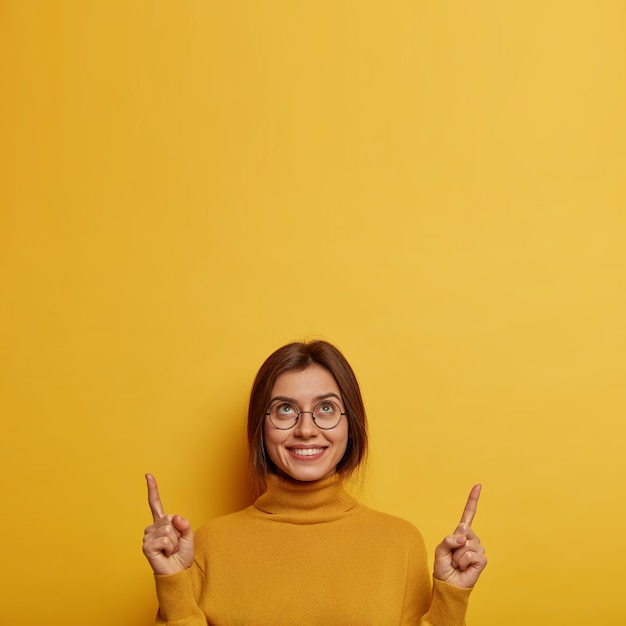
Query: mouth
(308, 454)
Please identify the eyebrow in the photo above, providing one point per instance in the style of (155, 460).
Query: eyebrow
(323, 396)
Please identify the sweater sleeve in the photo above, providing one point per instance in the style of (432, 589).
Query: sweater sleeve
(428, 601)
(177, 595)
(448, 605)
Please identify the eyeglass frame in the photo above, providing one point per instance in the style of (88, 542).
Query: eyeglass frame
(297, 419)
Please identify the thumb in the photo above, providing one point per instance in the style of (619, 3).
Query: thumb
(449, 545)
(183, 526)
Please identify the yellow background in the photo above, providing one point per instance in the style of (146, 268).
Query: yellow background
(436, 187)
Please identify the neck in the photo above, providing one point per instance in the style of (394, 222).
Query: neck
(305, 502)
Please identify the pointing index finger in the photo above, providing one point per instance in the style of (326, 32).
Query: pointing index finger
(472, 503)
(154, 500)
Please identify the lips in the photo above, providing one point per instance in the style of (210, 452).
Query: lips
(307, 453)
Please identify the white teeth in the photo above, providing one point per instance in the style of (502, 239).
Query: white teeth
(307, 451)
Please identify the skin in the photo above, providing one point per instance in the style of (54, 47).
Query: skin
(459, 558)
(305, 388)
(168, 542)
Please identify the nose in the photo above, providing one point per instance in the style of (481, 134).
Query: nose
(305, 426)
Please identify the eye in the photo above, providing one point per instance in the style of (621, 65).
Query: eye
(285, 409)
(326, 408)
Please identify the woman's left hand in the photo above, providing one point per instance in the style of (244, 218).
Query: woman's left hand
(459, 558)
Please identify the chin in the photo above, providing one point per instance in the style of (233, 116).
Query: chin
(310, 475)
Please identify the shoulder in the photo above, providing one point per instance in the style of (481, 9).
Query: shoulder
(224, 524)
(220, 539)
(391, 522)
(391, 528)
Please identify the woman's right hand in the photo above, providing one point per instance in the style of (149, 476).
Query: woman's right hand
(168, 542)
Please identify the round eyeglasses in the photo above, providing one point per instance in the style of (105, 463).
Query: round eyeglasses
(285, 415)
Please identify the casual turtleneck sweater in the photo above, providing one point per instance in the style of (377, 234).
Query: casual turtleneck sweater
(308, 554)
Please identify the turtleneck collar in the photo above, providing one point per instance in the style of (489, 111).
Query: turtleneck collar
(306, 502)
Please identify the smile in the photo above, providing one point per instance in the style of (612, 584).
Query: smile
(306, 452)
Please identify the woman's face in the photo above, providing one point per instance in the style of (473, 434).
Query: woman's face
(306, 452)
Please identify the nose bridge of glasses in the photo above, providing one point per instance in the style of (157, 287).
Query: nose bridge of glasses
(301, 422)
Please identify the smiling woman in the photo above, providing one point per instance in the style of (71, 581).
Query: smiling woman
(297, 442)
(286, 375)
(307, 552)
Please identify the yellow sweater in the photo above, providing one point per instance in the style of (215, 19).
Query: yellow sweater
(308, 554)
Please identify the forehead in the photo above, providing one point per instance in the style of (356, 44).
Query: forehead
(306, 384)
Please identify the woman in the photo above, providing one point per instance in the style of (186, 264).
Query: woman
(307, 552)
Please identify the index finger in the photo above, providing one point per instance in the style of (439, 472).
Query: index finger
(154, 499)
(472, 503)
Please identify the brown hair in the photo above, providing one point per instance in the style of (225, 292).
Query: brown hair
(298, 356)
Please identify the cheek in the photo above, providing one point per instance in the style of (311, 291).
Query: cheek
(271, 441)
(341, 439)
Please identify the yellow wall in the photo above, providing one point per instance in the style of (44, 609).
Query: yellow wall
(437, 187)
